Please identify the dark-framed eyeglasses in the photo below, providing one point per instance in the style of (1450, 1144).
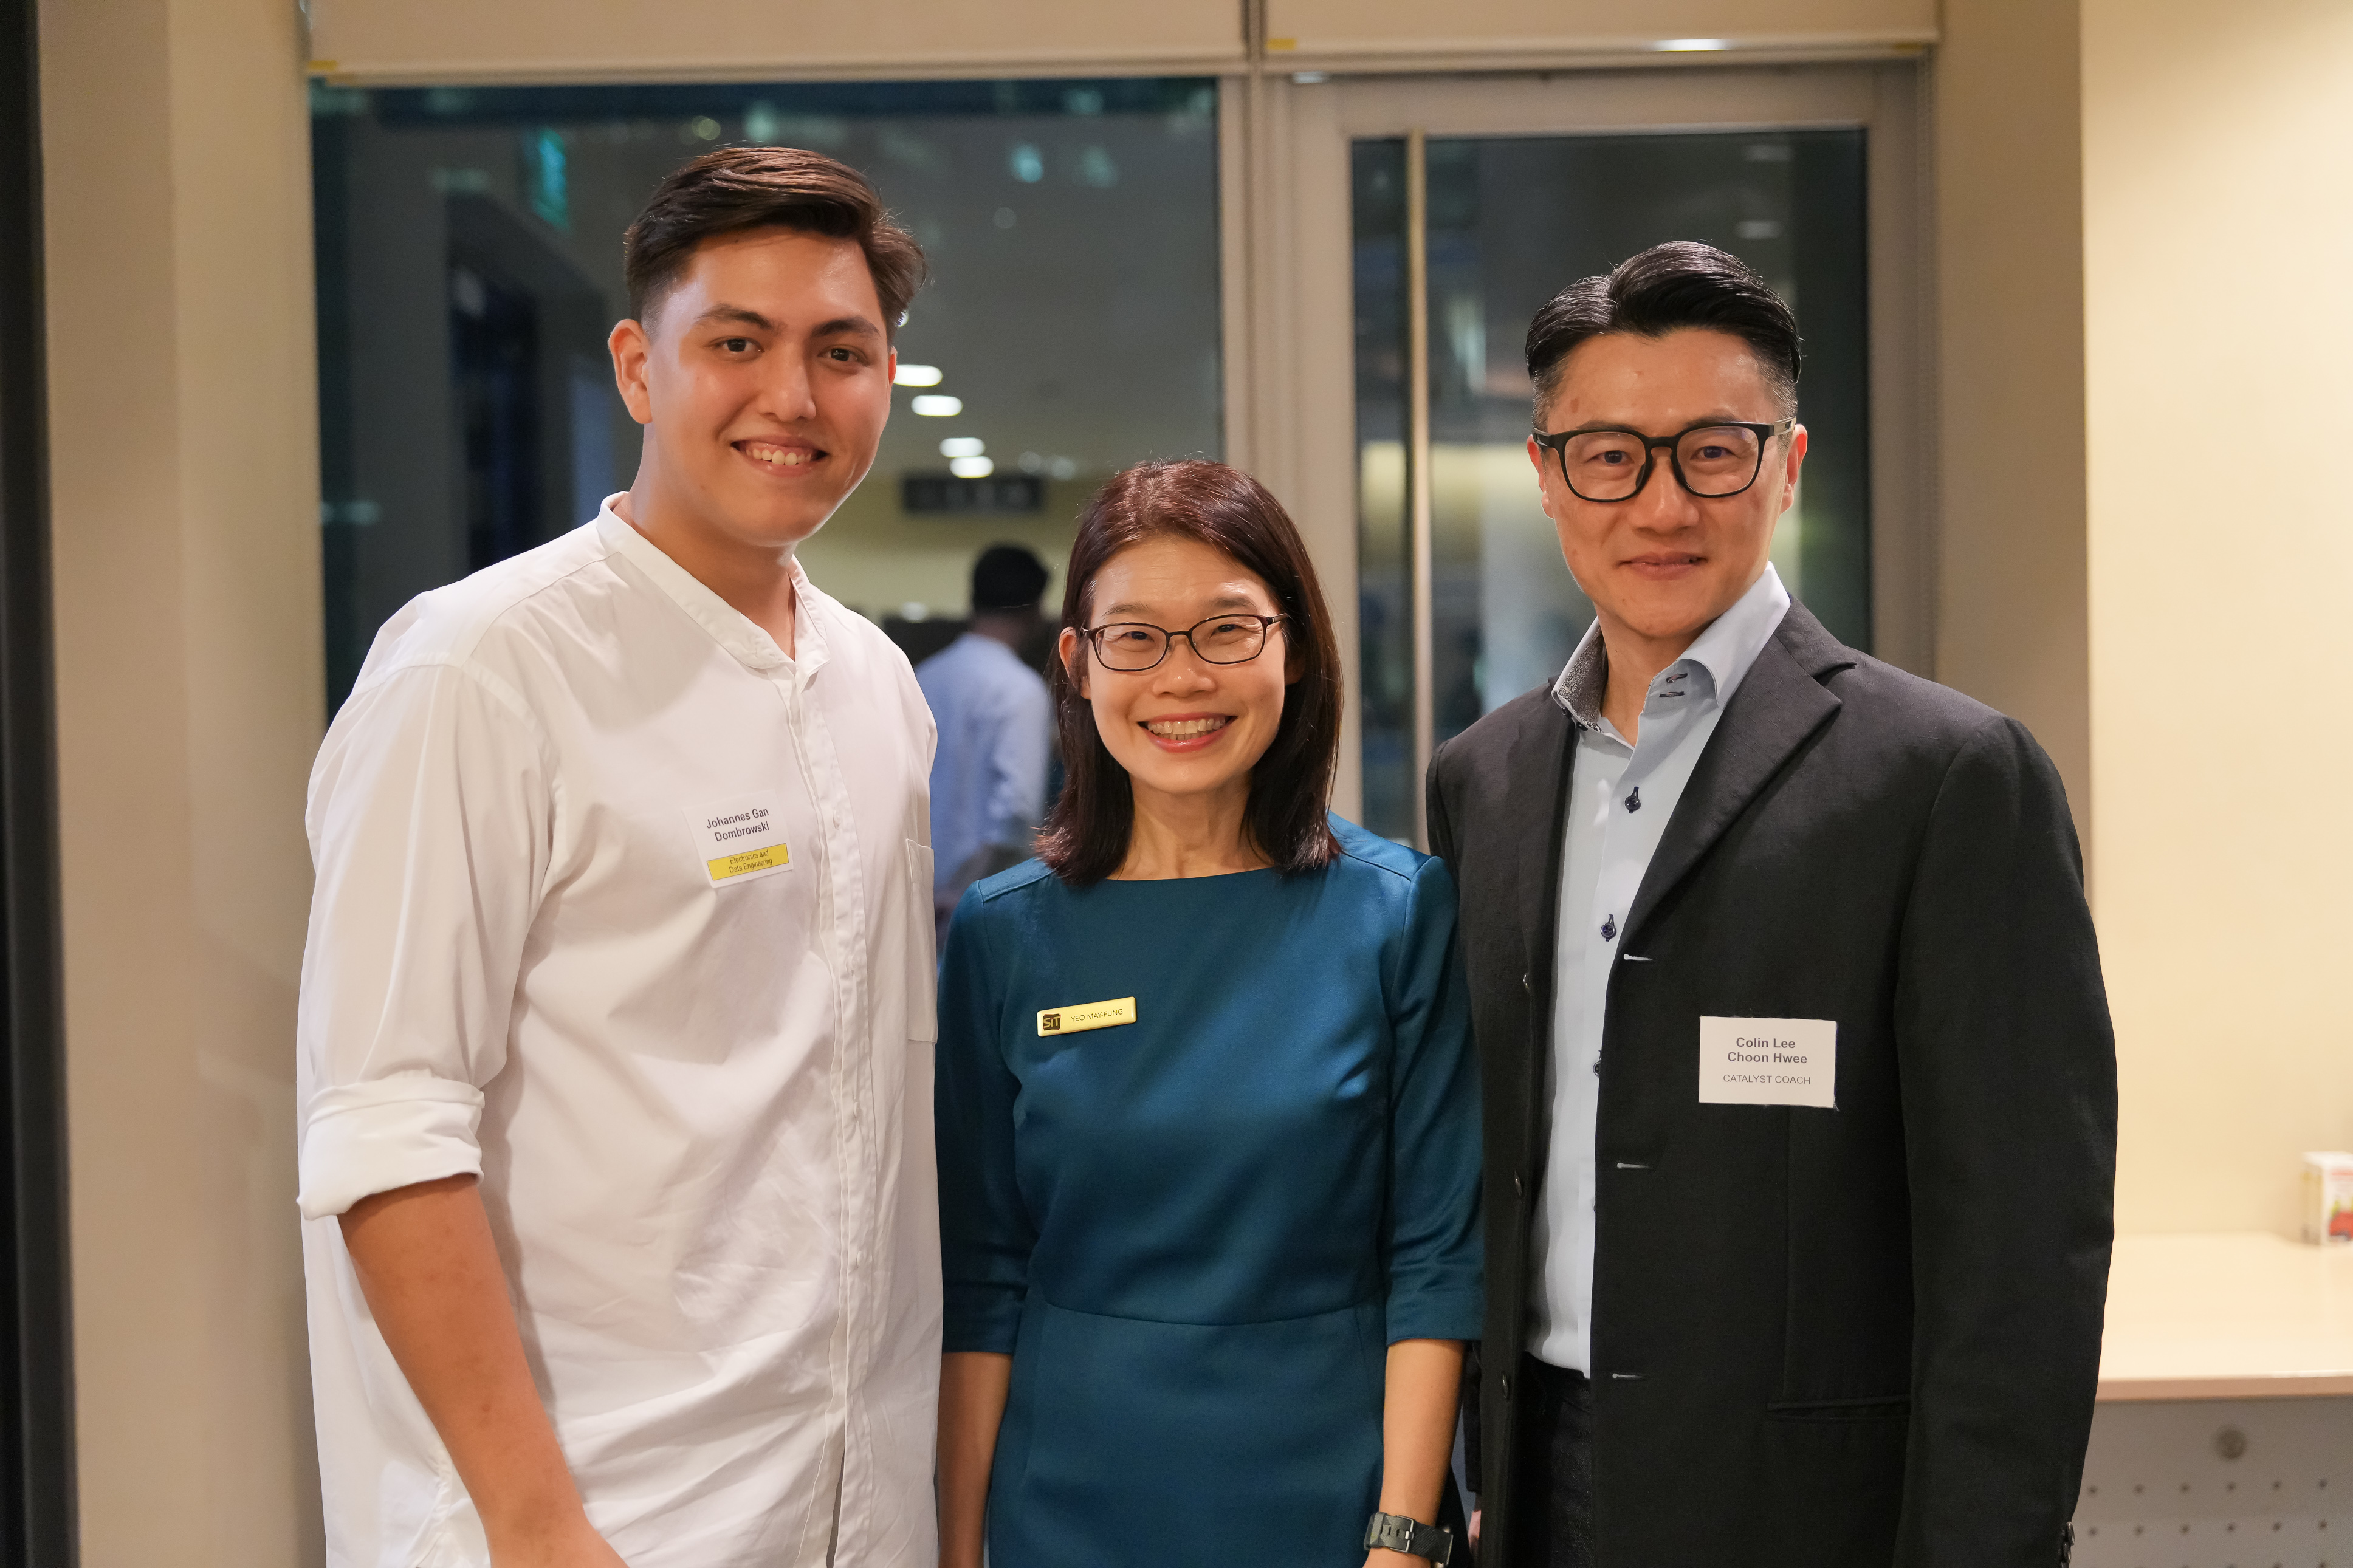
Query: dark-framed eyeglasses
(1711, 461)
(1132, 646)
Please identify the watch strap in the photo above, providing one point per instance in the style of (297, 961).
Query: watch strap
(1396, 1532)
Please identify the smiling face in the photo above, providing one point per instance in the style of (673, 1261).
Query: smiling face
(762, 379)
(1185, 727)
(1663, 565)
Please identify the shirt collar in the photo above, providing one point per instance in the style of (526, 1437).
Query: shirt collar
(742, 638)
(1726, 650)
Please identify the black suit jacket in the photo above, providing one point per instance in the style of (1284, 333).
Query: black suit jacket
(1861, 1336)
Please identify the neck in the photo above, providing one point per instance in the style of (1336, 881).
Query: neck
(1190, 835)
(1010, 630)
(754, 578)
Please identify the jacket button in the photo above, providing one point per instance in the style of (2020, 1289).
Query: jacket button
(1506, 1383)
(1525, 986)
(1517, 1189)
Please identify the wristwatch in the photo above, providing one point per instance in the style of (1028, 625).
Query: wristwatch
(1398, 1533)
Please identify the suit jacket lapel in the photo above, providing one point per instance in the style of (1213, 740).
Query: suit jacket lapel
(1779, 703)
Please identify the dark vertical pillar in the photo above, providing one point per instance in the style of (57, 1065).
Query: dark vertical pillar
(36, 1450)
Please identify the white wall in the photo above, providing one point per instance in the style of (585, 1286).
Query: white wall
(189, 701)
(2218, 244)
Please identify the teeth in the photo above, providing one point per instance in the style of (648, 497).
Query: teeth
(1181, 728)
(788, 456)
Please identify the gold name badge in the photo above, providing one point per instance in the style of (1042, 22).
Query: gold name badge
(768, 857)
(1086, 1015)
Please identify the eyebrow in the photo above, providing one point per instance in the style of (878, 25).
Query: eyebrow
(854, 326)
(1222, 602)
(1699, 424)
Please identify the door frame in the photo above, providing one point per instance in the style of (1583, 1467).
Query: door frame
(1290, 307)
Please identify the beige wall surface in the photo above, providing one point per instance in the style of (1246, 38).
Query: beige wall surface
(743, 40)
(2217, 153)
(1374, 29)
(2010, 619)
(189, 700)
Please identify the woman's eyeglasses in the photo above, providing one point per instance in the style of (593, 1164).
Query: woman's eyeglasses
(1131, 646)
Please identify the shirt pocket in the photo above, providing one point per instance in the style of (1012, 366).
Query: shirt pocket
(924, 969)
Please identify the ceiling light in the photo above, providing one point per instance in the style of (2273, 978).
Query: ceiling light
(936, 407)
(963, 447)
(918, 375)
(1691, 46)
(972, 468)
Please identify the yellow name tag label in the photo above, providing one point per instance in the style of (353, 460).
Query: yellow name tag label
(1086, 1015)
(768, 857)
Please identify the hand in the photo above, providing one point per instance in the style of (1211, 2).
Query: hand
(1471, 1536)
(1382, 1557)
(570, 1544)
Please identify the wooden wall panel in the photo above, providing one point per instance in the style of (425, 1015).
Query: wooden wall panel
(1414, 34)
(644, 40)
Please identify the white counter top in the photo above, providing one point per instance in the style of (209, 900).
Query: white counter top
(2236, 1316)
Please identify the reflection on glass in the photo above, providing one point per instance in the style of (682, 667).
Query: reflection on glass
(1511, 221)
(469, 266)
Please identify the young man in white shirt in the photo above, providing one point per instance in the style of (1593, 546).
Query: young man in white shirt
(617, 1018)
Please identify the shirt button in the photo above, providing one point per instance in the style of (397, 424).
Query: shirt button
(1634, 801)
(1610, 929)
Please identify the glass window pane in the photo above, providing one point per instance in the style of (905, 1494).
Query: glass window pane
(1512, 220)
(469, 260)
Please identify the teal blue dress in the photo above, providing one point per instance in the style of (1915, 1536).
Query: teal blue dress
(1197, 1233)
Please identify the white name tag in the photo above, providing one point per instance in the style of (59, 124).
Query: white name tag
(1768, 1061)
(741, 839)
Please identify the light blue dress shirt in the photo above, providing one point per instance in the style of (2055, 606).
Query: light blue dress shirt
(1620, 799)
(988, 776)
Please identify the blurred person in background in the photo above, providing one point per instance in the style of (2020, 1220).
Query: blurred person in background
(1207, 1112)
(617, 1009)
(996, 723)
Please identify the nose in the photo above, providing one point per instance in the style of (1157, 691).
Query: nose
(787, 391)
(1182, 668)
(1664, 503)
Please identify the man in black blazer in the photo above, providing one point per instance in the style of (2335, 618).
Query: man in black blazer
(1801, 1089)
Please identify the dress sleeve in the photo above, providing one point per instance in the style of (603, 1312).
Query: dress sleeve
(985, 1233)
(1434, 1240)
(430, 826)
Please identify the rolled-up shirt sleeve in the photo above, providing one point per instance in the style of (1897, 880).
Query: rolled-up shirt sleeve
(430, 820)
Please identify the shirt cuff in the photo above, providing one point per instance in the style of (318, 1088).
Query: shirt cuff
(372, 1137)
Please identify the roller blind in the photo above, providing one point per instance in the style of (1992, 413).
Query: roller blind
(1493, 32)
(426, 41)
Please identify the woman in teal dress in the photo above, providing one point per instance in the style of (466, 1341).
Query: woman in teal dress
(1207, 1106)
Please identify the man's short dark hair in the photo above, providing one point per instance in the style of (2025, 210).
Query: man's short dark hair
(740, 188)
(1666, 288)
(1007, 577)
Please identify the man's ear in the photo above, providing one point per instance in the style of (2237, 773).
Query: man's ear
(630, 347)
(1066, 647)
(1794, 460)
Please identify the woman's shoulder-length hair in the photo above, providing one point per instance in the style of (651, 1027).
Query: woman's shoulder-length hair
(1086, 834)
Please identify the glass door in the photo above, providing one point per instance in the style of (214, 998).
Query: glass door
(1468, 206)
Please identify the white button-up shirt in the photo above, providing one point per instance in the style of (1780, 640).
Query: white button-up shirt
(627, 912)
(1620, 799)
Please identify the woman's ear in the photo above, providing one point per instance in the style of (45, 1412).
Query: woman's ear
(1066, 647)
(1294, 662)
